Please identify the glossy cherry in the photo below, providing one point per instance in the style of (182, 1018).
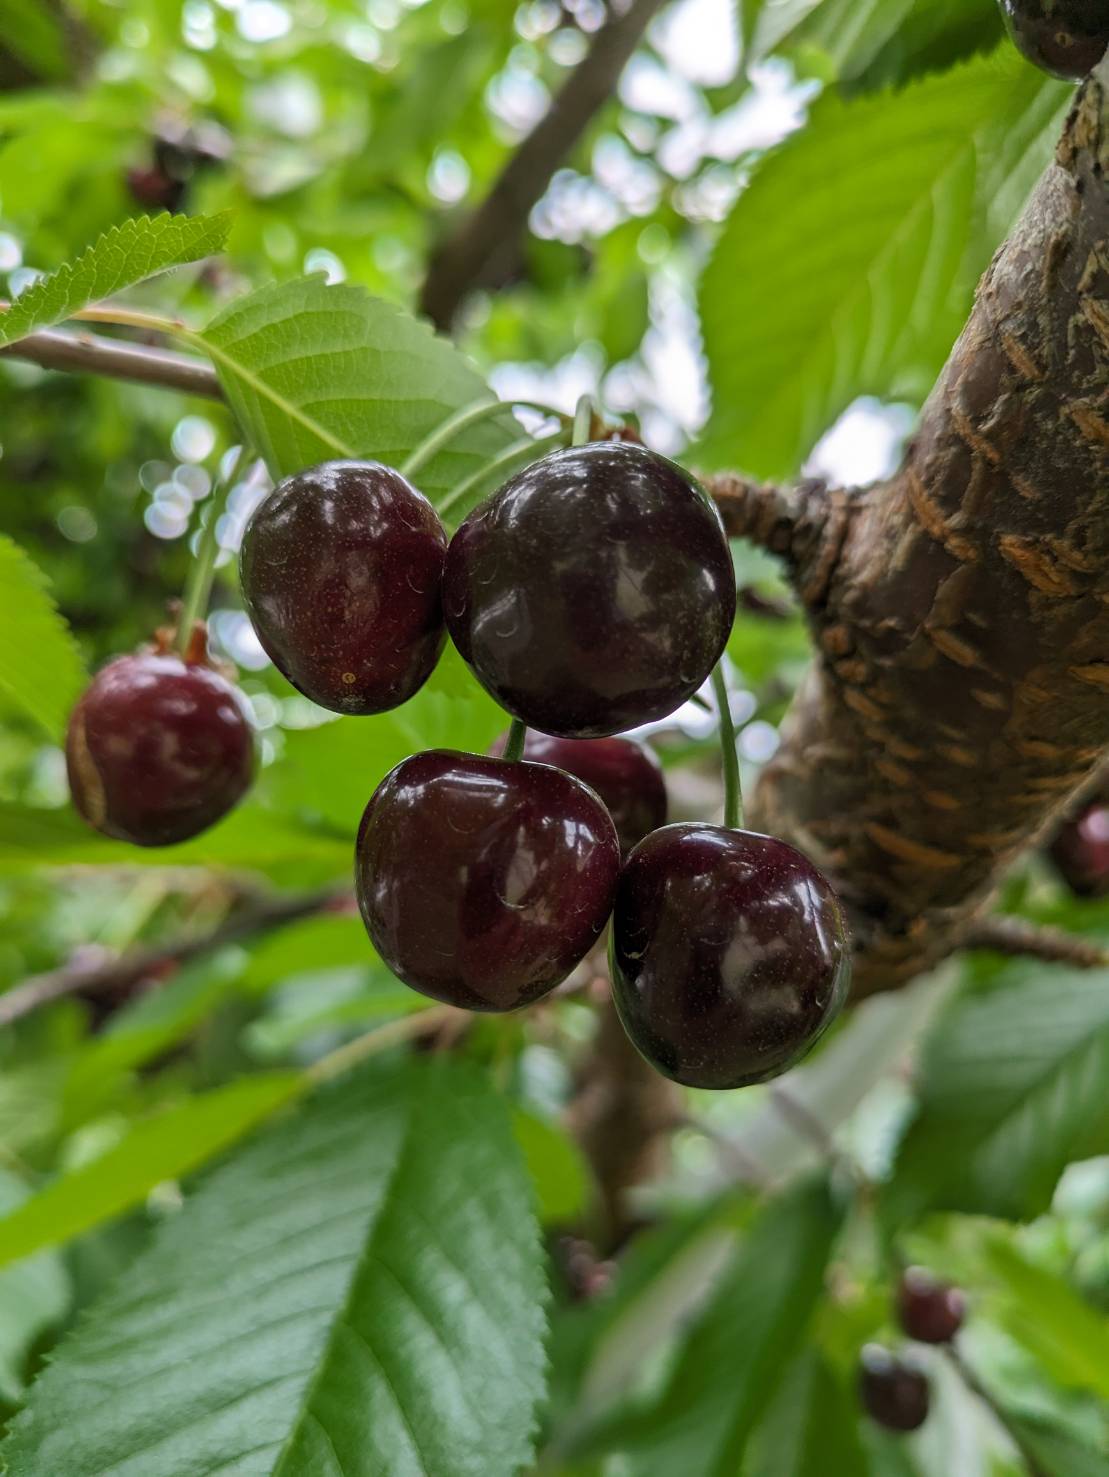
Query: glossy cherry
(929, 1310)
(483, 882)
(593, 592)
(158, 749)
(894, 1393)
(1065, 37)
(730, 954)
(341, 568)
(1080, 851)
(625, 774)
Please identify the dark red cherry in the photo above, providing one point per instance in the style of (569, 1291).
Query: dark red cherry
(929, 1310)
(1080, 851)
(154, 189)
(158, 749)
(593, 592)
(341, 569)
(625, 774)
(1065, 37)
(894, 1393)
(730, 954)
(483, 882)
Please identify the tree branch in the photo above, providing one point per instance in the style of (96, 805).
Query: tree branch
(130, 968)
(93, 354)
(1001, 934)
(478, 251)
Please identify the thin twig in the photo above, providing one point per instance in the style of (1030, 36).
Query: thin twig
(394, 1033)
(137, 964)
(1001, 934)
(481, 250)
(974, 1384)
(93, 354)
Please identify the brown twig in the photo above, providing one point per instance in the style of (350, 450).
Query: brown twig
(138, 964)
(137, 363)
(1002, 934)
(485, 243)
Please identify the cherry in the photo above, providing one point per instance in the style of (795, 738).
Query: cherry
(626, 776)
(894, 1393)
(483, 882)
(593, 592)
(158, 749)
(929, 1310)
(341, 568)
(1080, 851)
(154, 189)
(730, 954)
(1065, 37)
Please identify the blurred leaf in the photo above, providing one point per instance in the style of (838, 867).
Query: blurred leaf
(359, 1290)
(318, 1009)
(810, 1429)
(738, 1348)
(41, 670)
(162, 1147)
(1012, 1087)
(798, 322)
(558, 1169)
(1057, 1454)
(326, 941)
(35, 35)
(315, 372)
(126, 254)
(1050, 1319)
(33, 1297)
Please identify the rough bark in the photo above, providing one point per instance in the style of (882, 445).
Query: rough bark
(961, 611)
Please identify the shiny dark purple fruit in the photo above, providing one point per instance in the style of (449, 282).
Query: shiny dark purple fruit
(894, 1393)
(929, 1310)
(158, 749)
(1080, 851)
(1064, 37)
(625, 774)
(483, 882)
(593, 592)
(341, 568)
(730, 954)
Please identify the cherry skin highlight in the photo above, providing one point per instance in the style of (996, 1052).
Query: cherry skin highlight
(593, 592)
(626, 776)
(483, 882)
(894, 1393)
(1080, 851)
(730, 955)
(929, 1310)
(341, 568)
(158, 749)
(1064, 37)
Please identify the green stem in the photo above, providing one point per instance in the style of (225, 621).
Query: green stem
(517, 737)
(461, 421)
(198, 587)
(583, 421)
(733, 791)
(528, 447)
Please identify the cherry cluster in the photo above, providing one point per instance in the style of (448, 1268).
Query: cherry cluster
(1064, 37)
(894, 1388)
(594, 592)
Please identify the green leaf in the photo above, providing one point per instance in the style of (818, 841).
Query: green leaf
(1046, 1315)
(162, 1147)
(876, 42)
(33, 1297)
(738, 1349)
(801, 318)
(316, 371)
(126, 254)
(557, 1167)
(811, 1428)
(36, 36)
(1016, 1079)
(1057, 1454)
(41, 670)
(358, 1291)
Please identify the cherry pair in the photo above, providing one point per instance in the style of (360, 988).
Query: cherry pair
(894, 1390)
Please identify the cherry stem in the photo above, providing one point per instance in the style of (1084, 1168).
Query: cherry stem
(514, 744)
(733, 790)
(528, 447)
(461, 421)
(583, 421)
(198, 587)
